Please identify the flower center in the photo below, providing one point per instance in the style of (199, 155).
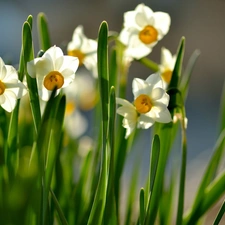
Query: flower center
(143, 103)
(53, 79)
(77, 53)
(166, 76)
(2, 88)
(148, 35)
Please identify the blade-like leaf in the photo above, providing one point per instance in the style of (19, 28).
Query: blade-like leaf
(44, 37)
(28, 55)
(98, 207)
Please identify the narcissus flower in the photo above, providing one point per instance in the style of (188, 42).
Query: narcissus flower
(81, 96)
(166, 66)
(143, 28)
(11, 88)
(85, 49)
(52, 70)
(149, 106)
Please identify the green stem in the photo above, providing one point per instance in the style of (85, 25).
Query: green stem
(183, 172)
(220, 214)
(149, 63)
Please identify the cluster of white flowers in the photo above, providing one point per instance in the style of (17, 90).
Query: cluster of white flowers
(142, 29)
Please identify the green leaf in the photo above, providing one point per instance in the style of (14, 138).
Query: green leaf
(180, 207)
(142, 206)
(110, 209)
(178, 65)
(12, 139)
(154, 160)
(98, 207)
(44, 37)
(30, 21)
(58, 208)
(102, 54)
(219, 215)
(54, 142)
(155, 182)
(208, 177)
(185, 81)
(44, 142)
(28, 55)
(113, 69)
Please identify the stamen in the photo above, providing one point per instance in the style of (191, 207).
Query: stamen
(77, 53)
(143, 103)
(166, 76)
(148, 35)
(2, 88)
(53, 79)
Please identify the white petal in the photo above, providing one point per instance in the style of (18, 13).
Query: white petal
(90, 63)
(11, 74)
(155, 80)
(166, 56)
(69, 76)
(77, 39)
(136, 48)
(124, 36)
(160, 113)
(18, 88)
(69, 62)
(144, 15)
(89, 46)
(157, 93)
(141, 20)
(76, 124)
(145, 122)
(2, 99)
(128, 112)
(164, 116)
(124, 102)
(44, 66)
(162, 22)
(53, 53)
(164, 99)
(58, 63)
(10, 101)
(31, 67)
(2, 69)
(129, 19)
(138, 87)
(129, 129)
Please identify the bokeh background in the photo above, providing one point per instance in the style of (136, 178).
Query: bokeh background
(201, 22)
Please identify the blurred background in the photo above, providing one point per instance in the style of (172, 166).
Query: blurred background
(201, 22)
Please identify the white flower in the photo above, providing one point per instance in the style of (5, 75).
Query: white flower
(150, 104)
(80, 95)
(143, 28)
(166, 66)
(75, 123)
(52, 70)
(11, 88)
(83, 91)
(85, 49)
